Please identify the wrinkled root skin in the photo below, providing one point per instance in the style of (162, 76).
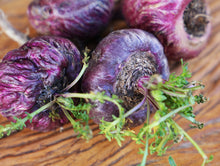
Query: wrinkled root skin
(33, 69)
(70, 18)
(164, 18)
(109, 58)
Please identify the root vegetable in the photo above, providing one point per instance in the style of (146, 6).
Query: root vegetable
(31, 75)
(182, 26)
(70, 18)
(118, 62)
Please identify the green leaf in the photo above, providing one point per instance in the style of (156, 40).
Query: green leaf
(210, 158)
(200, 98)
(171, 161)
(158, 95)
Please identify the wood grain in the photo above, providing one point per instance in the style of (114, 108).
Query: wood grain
(64, 148)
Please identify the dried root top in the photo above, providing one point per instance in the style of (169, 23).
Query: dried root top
(136, 66)
(196, 18)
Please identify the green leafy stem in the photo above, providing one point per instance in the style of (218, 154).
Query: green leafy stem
(19, 124)
(170, 98)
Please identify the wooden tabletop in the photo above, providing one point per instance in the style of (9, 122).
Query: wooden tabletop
(64, 148)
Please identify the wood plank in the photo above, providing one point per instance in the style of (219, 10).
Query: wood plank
(64, 148)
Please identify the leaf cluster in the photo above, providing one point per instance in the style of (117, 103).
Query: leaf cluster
(20, 123)
(12, 127)
(170, 98)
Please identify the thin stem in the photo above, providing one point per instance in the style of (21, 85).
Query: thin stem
(148, 112)
(201, 152)
(8, 29)
(184, 90)
(77, 78)
(194, 88)
(69, 117)
(143, 163)
(174, 93)
(85, 65)
(138, 106)
(40, 110)
(153, 102)
(162, 119)
(79, 95)
(92, 96)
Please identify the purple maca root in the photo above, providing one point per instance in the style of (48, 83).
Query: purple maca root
(182, 26)
(31, 75)
(117, 64)
(70, 18)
